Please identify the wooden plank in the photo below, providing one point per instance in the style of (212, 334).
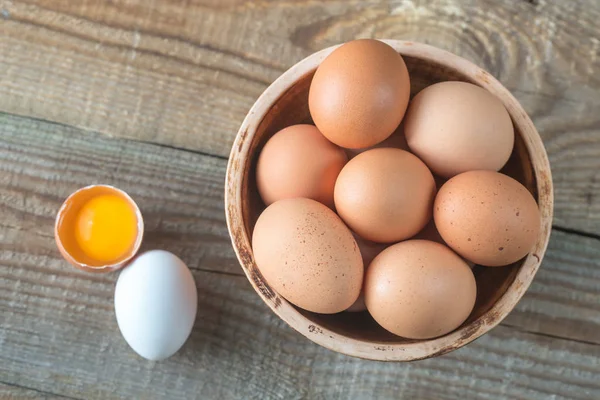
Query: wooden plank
(180, 194)
(186, 73)
(122, 44)
(564, 300)
(181, 197)
(58, 332)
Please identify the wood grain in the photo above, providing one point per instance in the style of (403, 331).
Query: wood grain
(564, 300)
(12, 392)
(61, 336)
(184, 214)
(185, 73)
(239, 349)
(175, 190)
(58, 333)
(155, 87)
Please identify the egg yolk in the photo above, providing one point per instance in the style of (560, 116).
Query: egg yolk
(106, 228)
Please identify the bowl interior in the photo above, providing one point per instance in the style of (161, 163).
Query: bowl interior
(292, 108)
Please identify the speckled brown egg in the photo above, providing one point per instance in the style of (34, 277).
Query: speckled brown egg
(368, 250)
(307, 254)
(359, 93)
(419, 289)
(299, 161)
(457, 126)
(385, 195)
(487, 217)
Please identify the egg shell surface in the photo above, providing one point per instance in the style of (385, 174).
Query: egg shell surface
(456, 127)
(487, 217)
(359, 93)
(299, 161)
(419, 289)
(368, 250)
(307, 254)
(385, 195)
(155, 304)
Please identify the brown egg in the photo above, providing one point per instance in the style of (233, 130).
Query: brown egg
(456, 127)
(487, 217)
(419, 289)
(385, 195)
(359, 93)
(299, 161)
(307, 254)
(368, 250)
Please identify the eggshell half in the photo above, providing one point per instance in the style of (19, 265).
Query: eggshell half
(64, 230)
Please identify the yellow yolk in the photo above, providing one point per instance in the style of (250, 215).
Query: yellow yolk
(106, 228)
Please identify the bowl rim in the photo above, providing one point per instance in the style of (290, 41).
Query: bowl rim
(373, 350)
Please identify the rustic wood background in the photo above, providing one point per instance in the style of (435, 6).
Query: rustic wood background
(148, 95)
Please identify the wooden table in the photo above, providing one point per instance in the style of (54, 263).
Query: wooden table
(148, 95)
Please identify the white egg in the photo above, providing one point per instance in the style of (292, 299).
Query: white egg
(155, 304)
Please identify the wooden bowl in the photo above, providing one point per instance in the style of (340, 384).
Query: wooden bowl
(285, 103)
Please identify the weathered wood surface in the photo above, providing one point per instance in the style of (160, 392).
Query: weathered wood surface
(59, 334)
(185, 73)
(12, 392)
(126, 92)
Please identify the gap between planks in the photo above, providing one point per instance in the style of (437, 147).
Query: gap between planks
(548, 335)
(220, 157)
(142, 50)
(153, 33)
(44, 393)
(131, 140)
(577, 232)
